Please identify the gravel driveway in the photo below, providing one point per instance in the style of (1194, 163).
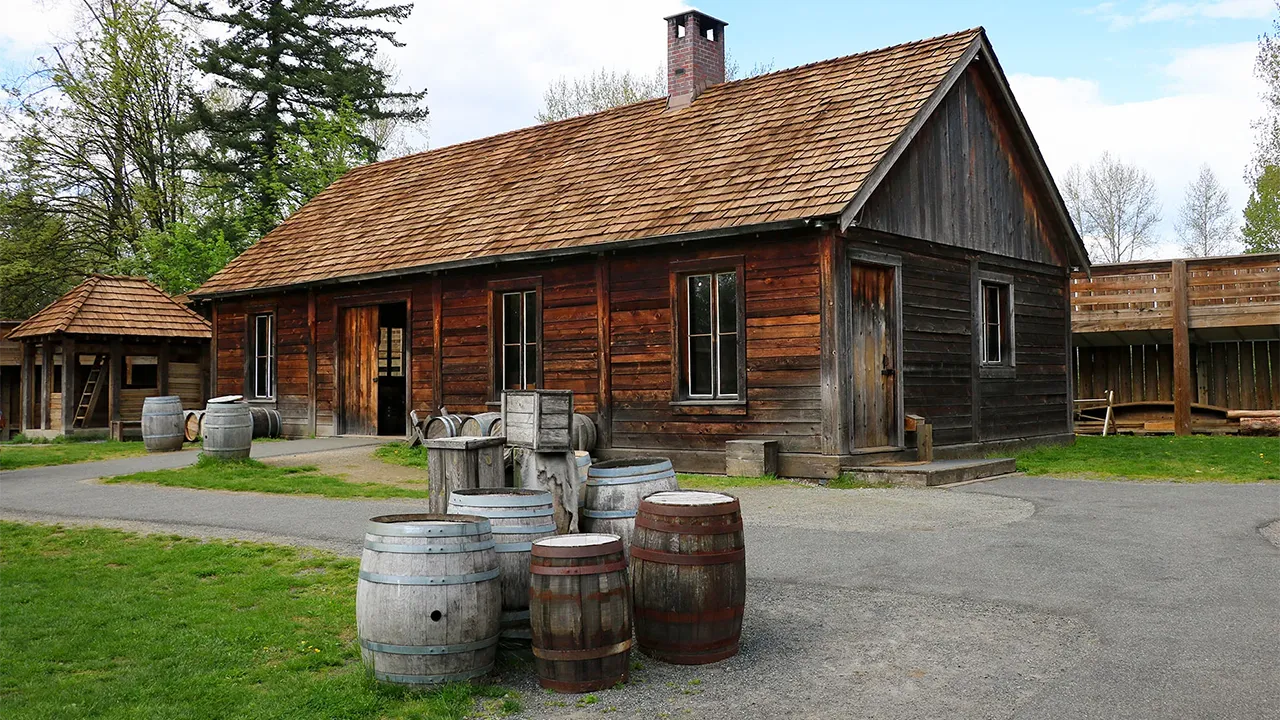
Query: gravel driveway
(1015, 598)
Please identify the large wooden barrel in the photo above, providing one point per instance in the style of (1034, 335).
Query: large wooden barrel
(688, 576)
(428, 598)
(442, 426)
(228, 430)
(518, 517)
(580, 612)
(485, 424)
(615, 488)
(266, 422)
(584, 433)
(192, 422)
(162, 423)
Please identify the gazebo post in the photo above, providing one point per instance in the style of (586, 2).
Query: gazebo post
(70, 398)
(27, 415)
(1181, 352)
(162, 367)
(46, 381)
(113, 380)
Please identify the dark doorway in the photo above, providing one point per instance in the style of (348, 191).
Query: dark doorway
(392, 328)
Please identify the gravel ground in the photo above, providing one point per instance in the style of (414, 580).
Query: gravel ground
(878, 510)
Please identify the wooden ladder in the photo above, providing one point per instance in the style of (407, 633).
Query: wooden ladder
(92, 391)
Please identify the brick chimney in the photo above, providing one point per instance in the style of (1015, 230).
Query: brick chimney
(695, 56)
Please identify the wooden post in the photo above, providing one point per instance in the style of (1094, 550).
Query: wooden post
(46, 382)
(459, 463)
(975, 350)
(437, 343)
(162, 368)
(924, 443)
(114, 372)
(1181, 352)
(70, 396)
(213, 355)
(28, 394)
(311, 362)
(604, 398)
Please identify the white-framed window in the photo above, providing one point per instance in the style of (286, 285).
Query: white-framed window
(711, 336)
(518, 363)
(264, 356)
(996, 318)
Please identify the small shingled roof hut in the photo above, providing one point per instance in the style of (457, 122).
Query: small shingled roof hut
(130, 341)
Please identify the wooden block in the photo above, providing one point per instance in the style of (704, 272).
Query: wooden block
(912, 423)
(924, 443)
(750, 458)
(540, 420)
(460, 463)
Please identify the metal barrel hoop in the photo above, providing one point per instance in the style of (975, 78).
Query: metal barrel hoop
(382, 579)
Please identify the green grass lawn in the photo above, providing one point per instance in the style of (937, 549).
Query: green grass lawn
(104, 624)
(690, 481)
(15, 455)
(1183, 459)
(399, 453)
(254, 476)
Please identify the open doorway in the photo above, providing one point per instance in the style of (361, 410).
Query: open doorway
(373, 363)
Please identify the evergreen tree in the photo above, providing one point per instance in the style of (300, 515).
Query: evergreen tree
(1262, 213)
(278, 63)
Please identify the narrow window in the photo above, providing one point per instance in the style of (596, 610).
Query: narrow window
(391, 352)
(711, 336)
(519, 358)
(997, 331)
(263, 356)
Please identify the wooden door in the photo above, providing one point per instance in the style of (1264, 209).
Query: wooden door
(874, 397)
(358, 363)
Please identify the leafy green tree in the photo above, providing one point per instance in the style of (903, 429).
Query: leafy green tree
(1262, 213)
(280, 62)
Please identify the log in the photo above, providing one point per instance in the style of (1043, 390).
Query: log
(458, 463)
(1264, 426)
(1238, 414)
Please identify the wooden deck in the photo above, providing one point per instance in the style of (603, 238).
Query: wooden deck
(1227, 298)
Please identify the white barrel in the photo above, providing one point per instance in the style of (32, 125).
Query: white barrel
(615, 488)
(518, 518)
(584, 433)
(428, 598)
(486, 424)
(162, 423)
(228, 430)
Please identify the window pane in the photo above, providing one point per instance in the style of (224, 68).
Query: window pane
(699, 304)
(511, 367)
(729, 364)
(700, 365)
(531, 317)
(992, 344)
(511, 318)
(260, 386)
(530, 366)
(727, 301)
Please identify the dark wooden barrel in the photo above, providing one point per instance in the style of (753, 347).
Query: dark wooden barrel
(688, 576)
(162, 423)
(486, 424)
(266, 422)
(580, 612)
(191, 424)
(584, 433)
(442, 426)
(615, 488)
(518, 518)
(228, 430)
(428, 598)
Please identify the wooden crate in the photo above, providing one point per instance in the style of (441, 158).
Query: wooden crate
(540, 420)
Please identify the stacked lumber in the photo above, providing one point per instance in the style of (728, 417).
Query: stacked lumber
(1257, 422)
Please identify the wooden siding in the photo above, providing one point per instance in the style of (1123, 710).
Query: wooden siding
(964, 182)
(231, 350)
(1240, 375)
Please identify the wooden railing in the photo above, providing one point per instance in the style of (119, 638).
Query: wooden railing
(1234, 291)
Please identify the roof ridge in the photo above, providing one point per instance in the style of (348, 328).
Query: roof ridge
(73, 309)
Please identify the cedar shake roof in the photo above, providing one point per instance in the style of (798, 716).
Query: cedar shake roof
(115, 305)
(786, 146)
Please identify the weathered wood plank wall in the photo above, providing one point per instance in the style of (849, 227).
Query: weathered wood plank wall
(1240, 375)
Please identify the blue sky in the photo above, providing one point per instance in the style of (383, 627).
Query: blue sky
(1165, 85)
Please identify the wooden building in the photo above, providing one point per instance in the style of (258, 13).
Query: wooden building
(10, 381)
(1180, 342)
(805, 256)
(129, 341)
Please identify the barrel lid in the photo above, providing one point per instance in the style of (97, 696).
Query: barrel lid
(160, 398)
(577, 545)
(689, 503)
(225, 399)
(689, 497)
(428, 525)
(501, 497)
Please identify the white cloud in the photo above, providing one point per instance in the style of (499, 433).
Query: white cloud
(485, 63)
(1203, 116)
(1187, 12)
(31, 25)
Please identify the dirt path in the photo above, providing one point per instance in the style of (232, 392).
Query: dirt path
(357, 464)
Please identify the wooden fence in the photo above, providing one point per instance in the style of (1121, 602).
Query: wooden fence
(1236, 375)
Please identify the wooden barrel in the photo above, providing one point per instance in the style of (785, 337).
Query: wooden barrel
(227, 430)
(486, 424)
(428, 598)
(442, 426)
(266, 422)
(518, 517)
(579, 611)
(584, 433)
(162, 423)
(192, 420)
(688, 576)
(615, 488)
